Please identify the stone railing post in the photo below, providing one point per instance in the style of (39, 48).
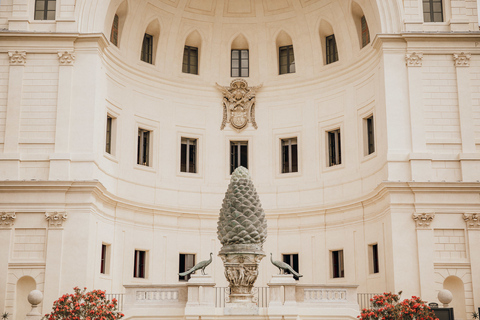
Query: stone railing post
(201, 297)
(282, 285)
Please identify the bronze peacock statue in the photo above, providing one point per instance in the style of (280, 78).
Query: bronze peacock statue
(201, 265)
(283, 266)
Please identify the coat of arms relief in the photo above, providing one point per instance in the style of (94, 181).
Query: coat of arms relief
(238, 104)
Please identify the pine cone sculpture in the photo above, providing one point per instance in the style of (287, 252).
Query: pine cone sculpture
(242, 219)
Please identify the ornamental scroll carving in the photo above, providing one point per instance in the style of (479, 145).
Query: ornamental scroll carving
(7, 219)
(17, 58)
(66, 58)
(423, 220)
(472, 220)
(462, 59)
(55, 219)
(238, 104)
(414, 59)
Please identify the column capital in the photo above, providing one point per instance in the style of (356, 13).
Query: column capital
(66, 58)
(7, 219)
(423, 219)
(462, 59)
(17, 58)
(55, 219)
(414, 59)
(472, 220)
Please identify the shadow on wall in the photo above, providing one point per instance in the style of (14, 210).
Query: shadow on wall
(22, 306)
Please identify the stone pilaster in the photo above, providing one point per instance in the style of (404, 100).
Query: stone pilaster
(425, 251)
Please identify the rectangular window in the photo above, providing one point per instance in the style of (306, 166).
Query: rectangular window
(331, 49)
(114, 33)
(190, 60)
(143, 147)
(286, 60)
(337, 264)
(373, 258)
(45, 9)
(187, 262)
(289, 155)
(105, 259)
(432, 11)
(139, 264)
(108, 140)
(147, 48)
(292, 260)
(238, 155)
(188, 155)
(334, 148)
(365, 32)
(239, 63)
(369, 135)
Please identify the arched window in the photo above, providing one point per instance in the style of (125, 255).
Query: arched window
(360, 24)
(286, 55)
(329, 43)
(118, 23)
(150, 42)
(191, 53)
(240, 63)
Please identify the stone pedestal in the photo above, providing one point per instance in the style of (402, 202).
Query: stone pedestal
(283, 301)
(201, 293)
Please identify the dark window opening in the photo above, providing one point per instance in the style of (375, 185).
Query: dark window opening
(337, 264)
(374, 258)
(238, 155)
(188, 155)
(289, 155)
(147, 48)
(143, 151)
(331, 53)
(190, 60)
(108, 140)
(45, 9)
(187, 261)
(239, 63)
(139, 264)
(334, 148)
(370, 135)
(432, 11)
(286, 60)
(365, 32)
(103, 261)
(292, 260)
(114, 33)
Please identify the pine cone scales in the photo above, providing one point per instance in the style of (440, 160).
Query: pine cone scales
(242, 219)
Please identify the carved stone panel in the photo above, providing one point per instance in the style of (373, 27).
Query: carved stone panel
(423, 220)
(462, 59)
(7, 219)
(55, 219)
(17, 58)
(238, 104)
(414, 59)
(66, 58)
(472, 220)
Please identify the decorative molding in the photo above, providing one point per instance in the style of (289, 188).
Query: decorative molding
(66, 58)
(7, 219)
(238, 104)
(423, 220)
(414, 59)
(472, 220)
(55, 219)
(462, 59)
(325, 295)
(17, 58)
(160, 295)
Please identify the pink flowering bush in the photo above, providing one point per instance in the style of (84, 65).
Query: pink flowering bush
(389, 307)
(83, 305)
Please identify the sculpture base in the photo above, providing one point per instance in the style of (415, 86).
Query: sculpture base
(241, 309)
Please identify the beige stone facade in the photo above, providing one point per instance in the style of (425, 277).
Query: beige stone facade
(414, 196)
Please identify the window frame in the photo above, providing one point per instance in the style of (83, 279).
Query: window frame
(291, 262)
(290, 53)
(139, 266)
(339, 261)
(240, 64)
(373, 259)
(187, 154)
(45, 10)
(369, 139)
(365, 31)
(329, 42)
(188, 50)
(335, 159)
(238, 156)
(115, 30)
(431, 13)
(290, 155)
(185, 268)
(105, 255)
(143, 152)
(146, 54)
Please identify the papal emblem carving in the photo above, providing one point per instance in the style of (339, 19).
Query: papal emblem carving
(238, 104)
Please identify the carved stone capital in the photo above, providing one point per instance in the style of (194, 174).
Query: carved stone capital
(7, 219)
(414, 59)
(423, 220)
(462, 59)
(472, 220)
(17, 58)
(66, 58)
(55, 219)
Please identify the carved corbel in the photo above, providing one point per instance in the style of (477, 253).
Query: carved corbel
(414, 59)
(17, 58)
(66, 58)
(462, 59)
(472, 220)
(7, 219)
(55, 219)
(423, 220)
